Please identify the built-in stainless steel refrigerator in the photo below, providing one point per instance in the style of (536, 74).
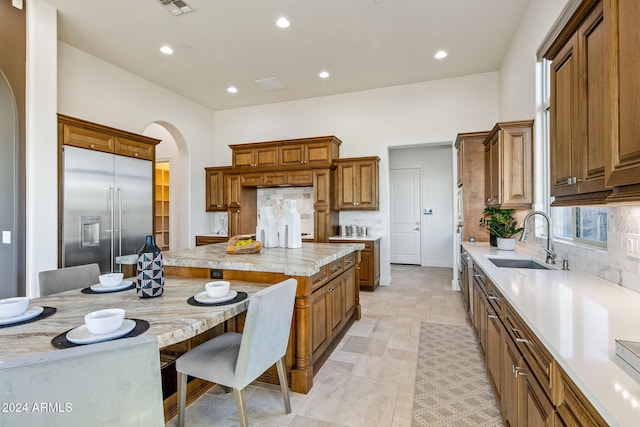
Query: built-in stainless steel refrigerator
(107, 207)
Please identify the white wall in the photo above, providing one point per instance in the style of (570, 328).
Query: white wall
(437, 194)
(368, 123)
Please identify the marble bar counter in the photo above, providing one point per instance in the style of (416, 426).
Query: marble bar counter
(171, 319)
(327, 297)
(305, 261)
(577, 317)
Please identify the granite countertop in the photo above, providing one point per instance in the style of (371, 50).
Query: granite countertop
(578, 317)
(305, 261)
(171, 319)
(355, 238)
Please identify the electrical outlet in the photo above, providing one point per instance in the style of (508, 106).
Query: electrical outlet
(6, 237)
(632, 245)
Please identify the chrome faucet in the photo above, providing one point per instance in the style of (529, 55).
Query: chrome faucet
(551, 255)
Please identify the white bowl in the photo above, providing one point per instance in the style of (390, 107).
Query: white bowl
(104, 321)
(12, 307)
(217, 289)
(111, 279)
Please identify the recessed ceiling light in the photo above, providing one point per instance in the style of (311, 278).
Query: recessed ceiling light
(283, 22)
(166, 50)
(232, 89)
(323, 74)
(440, 54)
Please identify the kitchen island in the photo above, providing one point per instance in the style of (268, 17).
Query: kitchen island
(327, 298)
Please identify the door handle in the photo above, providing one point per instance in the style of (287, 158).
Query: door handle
(416, 229)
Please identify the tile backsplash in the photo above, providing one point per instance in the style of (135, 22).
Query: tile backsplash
(303, 196)
(612, 263)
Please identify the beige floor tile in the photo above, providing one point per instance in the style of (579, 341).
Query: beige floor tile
(390, 370)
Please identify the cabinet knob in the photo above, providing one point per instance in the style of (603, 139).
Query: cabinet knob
(135, 154)
(93, 146)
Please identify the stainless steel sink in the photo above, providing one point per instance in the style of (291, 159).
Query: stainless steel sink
(517, 263)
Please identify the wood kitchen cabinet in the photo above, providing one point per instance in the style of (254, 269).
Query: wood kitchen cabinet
(574, 409)
(325, 217)
(369, 263)
(577, 135)
(215, 188)
(357, 183)
(259, 156)
(208, 240)
(310, 152)
(622, 90)
(509, 165)
(471, 175)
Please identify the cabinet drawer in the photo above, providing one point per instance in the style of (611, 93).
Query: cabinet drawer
(208, 240)
(320, 278)
(300, 178)
(335, 268)
(494, 297)
(533, 351)
(131, 148)
(275, 178)
(252, 179)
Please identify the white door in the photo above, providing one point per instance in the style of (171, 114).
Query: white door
(405, 216)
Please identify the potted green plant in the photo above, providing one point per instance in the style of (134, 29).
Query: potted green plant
(501, 224)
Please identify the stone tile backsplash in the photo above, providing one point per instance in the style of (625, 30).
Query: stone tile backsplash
(612, 263)
(303, 196)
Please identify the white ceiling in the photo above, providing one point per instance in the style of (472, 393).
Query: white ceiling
(364, 44)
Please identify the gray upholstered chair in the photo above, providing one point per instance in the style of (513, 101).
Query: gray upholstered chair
(116, 383)
(236, 360)
(65, 279)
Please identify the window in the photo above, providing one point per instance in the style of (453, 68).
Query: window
(580, 224)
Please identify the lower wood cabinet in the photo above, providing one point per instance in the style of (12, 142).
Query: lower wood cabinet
(529, 385)
(208, 240)
(369, 263)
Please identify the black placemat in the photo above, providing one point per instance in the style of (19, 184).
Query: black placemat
(241, 296)
(48, 311)
(88, 290)
(61, 340)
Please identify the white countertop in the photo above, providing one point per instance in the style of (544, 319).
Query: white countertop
(577, 316)
(354, 238)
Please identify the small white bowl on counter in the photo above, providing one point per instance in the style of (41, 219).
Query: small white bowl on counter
(104, 321)
(217, 289)
(110, 280)
(12, 307)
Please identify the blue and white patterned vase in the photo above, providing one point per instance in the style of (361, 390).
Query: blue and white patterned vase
(150, 271)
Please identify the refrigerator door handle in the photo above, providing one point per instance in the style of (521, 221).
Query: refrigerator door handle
(119, 221)
(110, 208)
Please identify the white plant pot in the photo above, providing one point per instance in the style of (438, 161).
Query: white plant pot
(508, 244)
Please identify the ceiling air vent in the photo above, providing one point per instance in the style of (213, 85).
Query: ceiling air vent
(271, 83)
(176, 7)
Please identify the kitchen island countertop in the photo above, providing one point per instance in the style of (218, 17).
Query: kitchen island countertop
(305, 261)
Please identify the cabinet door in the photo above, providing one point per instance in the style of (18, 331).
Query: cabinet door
(319, 320)
(275, 178)
(292, 155)
(516, 171)
(459, 158)
(493, 351)
(347, 186)
(623, 91)
(535, 410)
(495, 170)
(510, 397)
(366, 268)
(367, 184)
(487, 174)
(87, 138)
(214, 190)
(336, 304)
(318, 154)
(349, 284)
(252, 179)
(132, 148)
(564, 119)
(231, 189)
(243, 158)
(266, 157)
(304, 177)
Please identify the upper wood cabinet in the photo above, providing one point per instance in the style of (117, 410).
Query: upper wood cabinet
(215, 200)
(577, 109)
(509, 165)
(471, 175)
(622, 91)
(84, 134)
(287, 154)
(357, 183)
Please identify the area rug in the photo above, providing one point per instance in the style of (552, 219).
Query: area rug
(452, 388)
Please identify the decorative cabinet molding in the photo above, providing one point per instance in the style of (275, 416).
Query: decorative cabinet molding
(357, 183)
(578, 136)
(471, 175)
(509, 165)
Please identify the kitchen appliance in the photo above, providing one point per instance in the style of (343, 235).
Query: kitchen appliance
(107, 207)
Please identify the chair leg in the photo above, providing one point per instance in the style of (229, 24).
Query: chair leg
(182, 395)
(282, 375)
(241, 406)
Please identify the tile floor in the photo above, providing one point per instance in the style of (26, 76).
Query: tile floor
(369, 378)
